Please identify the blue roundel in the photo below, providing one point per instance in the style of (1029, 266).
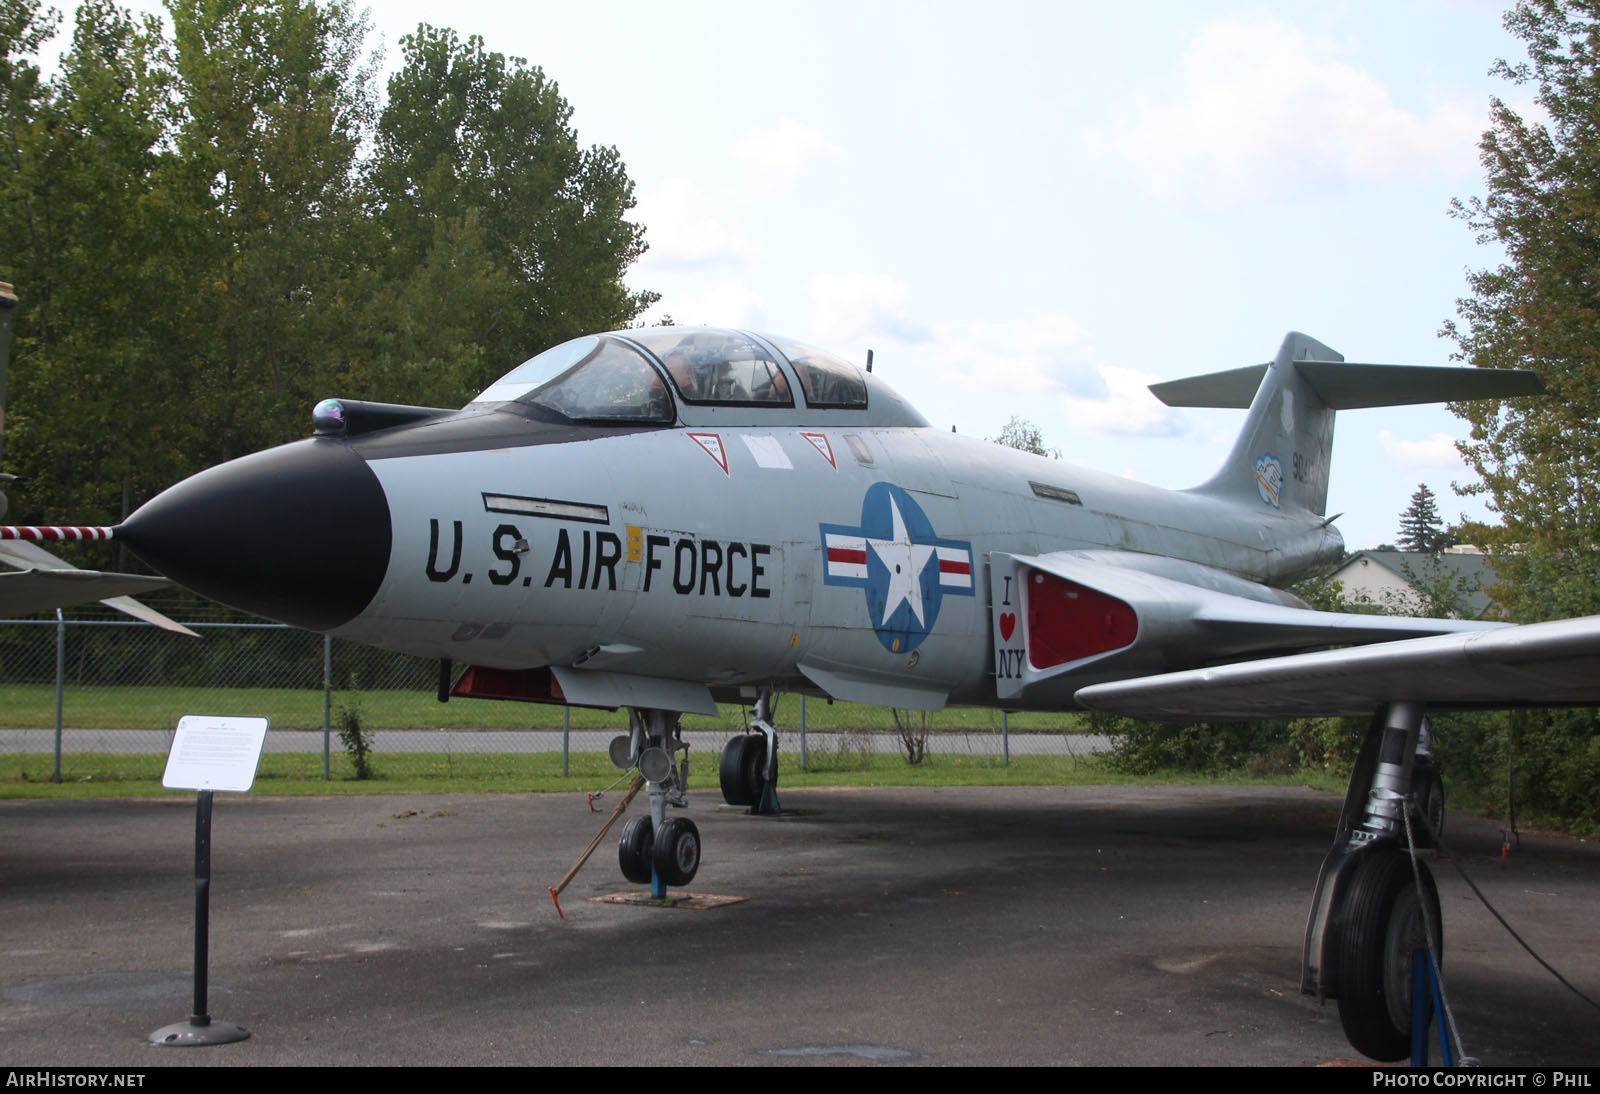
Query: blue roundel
(905, 568)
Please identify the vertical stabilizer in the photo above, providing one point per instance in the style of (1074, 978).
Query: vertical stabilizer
(1281, 457)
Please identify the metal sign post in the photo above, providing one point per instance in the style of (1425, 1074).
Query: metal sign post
(208, 754)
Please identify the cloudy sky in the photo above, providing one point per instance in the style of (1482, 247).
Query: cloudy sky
(1037, 209)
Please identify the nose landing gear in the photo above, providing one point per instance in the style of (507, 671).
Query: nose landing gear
(654, 849)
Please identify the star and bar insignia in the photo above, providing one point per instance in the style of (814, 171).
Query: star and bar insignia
(904, 567)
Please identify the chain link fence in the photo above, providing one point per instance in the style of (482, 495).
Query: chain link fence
(74, 692)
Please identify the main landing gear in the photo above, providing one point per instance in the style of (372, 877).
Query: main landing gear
(750, 763)
(1375, 905)
(654, 849)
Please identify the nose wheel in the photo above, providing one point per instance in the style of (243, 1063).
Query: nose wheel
(654, 850)
(677, 851)
(636, 849)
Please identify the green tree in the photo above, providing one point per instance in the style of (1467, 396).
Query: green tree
(1539, 459)
(1421, 528)
(517, 234)
(24, 28)
(1019, 433)
(276, 104)
(202, 252)
(86, 236)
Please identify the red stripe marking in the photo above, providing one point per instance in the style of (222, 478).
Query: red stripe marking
(845, 555)
(948, 567)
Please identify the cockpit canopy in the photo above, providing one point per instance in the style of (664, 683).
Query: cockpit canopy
(596, 377)
(624, 376)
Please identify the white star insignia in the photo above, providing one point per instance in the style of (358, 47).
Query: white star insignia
(905, 562)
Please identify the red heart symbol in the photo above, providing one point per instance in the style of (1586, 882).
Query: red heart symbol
(1008, 623)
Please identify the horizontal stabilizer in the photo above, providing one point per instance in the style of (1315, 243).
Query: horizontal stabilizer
(1539, 664)
(1349, 385)
(1230, 390)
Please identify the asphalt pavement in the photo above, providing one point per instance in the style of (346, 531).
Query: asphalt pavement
(879, 927)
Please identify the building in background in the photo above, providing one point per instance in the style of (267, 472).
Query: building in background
(1455, 582)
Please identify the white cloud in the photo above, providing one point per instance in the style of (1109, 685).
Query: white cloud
(1258, 107)
(1436, 453)
(682, 230)
(783, 156)
(1036, 355)
(850, 308)
(1043, 363)
(1126, 408)
(728, 304)
(1046, 363)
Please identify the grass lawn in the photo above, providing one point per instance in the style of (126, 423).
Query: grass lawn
(32, 706)
(122, 776)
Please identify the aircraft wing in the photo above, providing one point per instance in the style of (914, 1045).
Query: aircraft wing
(1537, 664)
(45, 581)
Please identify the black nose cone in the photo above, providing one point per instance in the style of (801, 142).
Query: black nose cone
(298, 533)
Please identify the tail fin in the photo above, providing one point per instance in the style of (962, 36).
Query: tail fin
(1281, 456)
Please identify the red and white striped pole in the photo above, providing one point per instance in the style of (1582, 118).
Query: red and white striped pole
(55, 533)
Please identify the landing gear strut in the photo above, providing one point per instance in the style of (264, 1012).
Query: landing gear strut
(654, 849)
(1374, 906)
(749, 767)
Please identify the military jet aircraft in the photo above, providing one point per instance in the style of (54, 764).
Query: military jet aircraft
(662, 518)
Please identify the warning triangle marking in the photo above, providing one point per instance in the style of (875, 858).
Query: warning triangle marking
(711, 444)
(819, 441)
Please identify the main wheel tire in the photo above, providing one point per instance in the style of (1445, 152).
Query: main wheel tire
(677, 852)
(1428, 789)
(634, 849)
(743, 758)
(1376, 926)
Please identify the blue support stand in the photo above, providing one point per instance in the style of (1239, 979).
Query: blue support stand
(1425, 982)
(768, 805)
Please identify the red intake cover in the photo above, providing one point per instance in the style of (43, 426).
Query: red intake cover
(1068, 621)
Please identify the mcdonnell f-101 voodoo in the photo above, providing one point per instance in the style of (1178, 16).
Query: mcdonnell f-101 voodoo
(662, 518)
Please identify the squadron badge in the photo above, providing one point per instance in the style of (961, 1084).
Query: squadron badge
(1269, 478)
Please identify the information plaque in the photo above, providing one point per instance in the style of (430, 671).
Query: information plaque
(212, 752)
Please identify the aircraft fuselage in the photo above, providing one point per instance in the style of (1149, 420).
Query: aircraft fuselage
(699, 571)
(730, 513)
